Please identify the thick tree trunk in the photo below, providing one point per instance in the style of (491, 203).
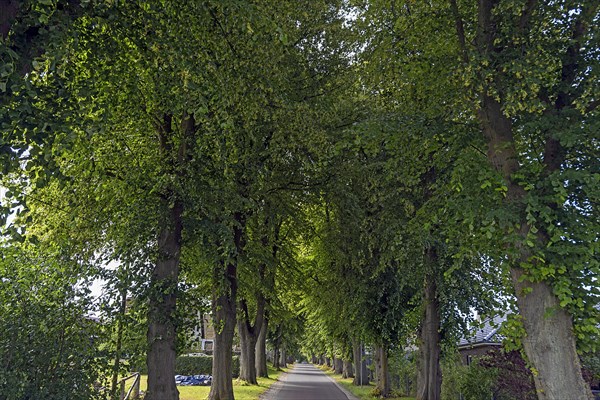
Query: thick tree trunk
(248, 355)
(429, 379)
(249, 335)
(222, 371)
(338, 365)
(165, 276)
(224, 305)
(276, 357)
(549, 344)
(361, 373)
(283, 358)
(382, 371)
(161, 309)
(550, 341)
(347, 370)
(261, 351)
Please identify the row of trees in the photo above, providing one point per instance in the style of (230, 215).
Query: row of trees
(390, 166)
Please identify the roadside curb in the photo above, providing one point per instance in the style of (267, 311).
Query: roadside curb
(273, 390)
(349, 395)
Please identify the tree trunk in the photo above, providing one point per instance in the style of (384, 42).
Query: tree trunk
(276, 357)
(550, 341)
(261, 351)
(222, 372)
(382, 371)
(224, 305)
(429, 379)
(338, 366)
(161, 308)
(248, 355)
(119, 341)
(283, 358)
(361, 376)
(163, 282)
(249, 335)
(347, 371)
(549, 344)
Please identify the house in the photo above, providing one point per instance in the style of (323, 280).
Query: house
(481, 340)
(202, 334)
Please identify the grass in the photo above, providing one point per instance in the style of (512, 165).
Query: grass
(362, 392)
(241, 390)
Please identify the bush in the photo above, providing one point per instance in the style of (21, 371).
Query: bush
(497, 373)
(473, 382)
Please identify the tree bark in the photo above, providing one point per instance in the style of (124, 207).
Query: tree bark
(161, 309)
(382, 371)
(224, 305)
(347, 371)
(249, 334)
(361, 376)
(276, 358)
(338, 365)
(248, 353)
(429, 379)
(261, 351)
(283, 358)
(223, 309)
(248, 338)
(119, 341)
(277, 347)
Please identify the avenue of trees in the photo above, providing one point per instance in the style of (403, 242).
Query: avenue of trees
(320, 177)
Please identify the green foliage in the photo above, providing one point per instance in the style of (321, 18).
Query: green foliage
(473, 382)
(49, 344)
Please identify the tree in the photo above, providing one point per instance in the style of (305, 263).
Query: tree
(49, 343)
(526, 76)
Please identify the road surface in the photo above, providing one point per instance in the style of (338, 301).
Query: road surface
(305, 382)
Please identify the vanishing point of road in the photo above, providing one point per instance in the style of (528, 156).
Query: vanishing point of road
(305, 382)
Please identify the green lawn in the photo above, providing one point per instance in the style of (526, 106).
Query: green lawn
(240, 390)
(362, 392)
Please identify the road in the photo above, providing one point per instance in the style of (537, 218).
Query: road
(305, 382)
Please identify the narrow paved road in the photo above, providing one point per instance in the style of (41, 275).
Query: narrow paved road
(305, 382)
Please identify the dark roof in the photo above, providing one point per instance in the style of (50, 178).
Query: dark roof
(486, 332)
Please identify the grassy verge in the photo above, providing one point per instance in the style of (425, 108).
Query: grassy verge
(362, 392)
(241, 390)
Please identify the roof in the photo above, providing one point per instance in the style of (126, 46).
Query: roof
(487, 332)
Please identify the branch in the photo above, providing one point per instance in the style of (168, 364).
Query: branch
(460, 31)
(592, 106)
(478, 150)
(225, 36)
(526, 15)
(485, 31)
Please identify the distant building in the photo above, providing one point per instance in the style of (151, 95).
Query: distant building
(202, 335)
(481, 340)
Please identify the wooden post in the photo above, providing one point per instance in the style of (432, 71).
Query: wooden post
(135, 393)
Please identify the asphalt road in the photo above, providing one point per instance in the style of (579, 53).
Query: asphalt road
(305, 382)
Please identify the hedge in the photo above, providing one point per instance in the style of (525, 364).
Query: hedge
(197, 365)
